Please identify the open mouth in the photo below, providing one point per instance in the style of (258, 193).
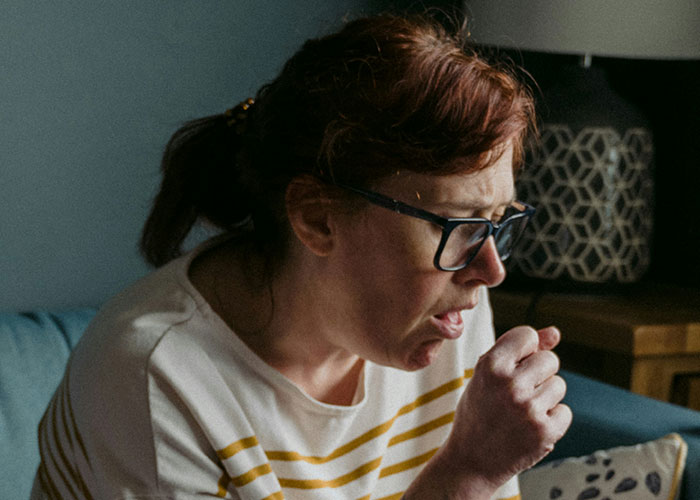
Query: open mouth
(454, 317)
(450, 324)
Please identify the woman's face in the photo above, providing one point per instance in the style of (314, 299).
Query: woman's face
(391, 304)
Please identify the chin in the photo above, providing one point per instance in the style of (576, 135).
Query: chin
(424, 355)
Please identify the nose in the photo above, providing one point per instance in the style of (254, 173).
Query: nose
(486, 266)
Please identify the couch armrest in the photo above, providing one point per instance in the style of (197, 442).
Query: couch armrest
(34, 349)
(607, 416)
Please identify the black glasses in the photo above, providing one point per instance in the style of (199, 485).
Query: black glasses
(462, 238)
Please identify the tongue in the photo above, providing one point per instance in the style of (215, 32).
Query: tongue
(452, 317)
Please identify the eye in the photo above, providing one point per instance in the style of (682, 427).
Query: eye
(497, 217)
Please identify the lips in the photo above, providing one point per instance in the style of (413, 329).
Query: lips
(451, 317)
(450, 324)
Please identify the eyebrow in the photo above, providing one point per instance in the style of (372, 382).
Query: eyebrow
(456, 206)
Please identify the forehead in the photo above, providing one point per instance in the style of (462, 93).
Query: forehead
(490, 187)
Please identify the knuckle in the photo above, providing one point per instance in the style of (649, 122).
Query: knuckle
(540, 430)
(535, 417)
(520, 395)
(559, 385)
(528, 334)
(565, 416)
(485, 361)
(525, 330)
(560, 421)
(552, 359)
(523, 335)
(490, 364)
(546, 361)
(525, 405)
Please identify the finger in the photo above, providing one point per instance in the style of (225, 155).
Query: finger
(549, 337)
(515, 345)
(538, 367)
(557, 423)
(560, 419)
(549, 394)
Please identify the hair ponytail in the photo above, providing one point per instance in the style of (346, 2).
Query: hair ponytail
(385, 93)
(199, 180)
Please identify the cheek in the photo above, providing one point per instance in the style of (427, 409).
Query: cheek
(388, 260)
(398, 279)
(407, 243)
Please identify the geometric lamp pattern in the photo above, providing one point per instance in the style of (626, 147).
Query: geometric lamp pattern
(593, 191)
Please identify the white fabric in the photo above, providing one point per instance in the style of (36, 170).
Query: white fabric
(645, 471)
(162, 400)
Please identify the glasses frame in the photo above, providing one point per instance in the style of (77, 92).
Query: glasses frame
(448, 224)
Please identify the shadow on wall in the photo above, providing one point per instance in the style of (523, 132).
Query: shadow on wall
(91, 93)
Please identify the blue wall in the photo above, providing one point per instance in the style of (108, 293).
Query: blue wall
(89, 94)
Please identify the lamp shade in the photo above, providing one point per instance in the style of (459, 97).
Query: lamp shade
(649, 29)
(591, 176)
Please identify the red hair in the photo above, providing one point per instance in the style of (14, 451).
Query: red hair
(383, 93)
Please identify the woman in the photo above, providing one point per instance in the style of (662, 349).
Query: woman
(321, 345)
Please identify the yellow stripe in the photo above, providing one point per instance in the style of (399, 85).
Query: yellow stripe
(516, 497)
(261, 470)
(312, 484)
(423, 429)
(223, 485)
(436, 393)
(275, 496)
(366, 497)
(244, 479)
(407, 464)
(680, 458)
(251, 475)
(234, 448)
(290, 456)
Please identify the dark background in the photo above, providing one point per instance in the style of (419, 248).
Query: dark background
(668, 94)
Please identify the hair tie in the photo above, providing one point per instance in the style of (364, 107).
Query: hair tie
(238, 115)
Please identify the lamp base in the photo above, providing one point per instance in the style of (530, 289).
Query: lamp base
(591, 181)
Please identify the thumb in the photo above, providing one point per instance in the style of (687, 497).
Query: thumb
(549, 338)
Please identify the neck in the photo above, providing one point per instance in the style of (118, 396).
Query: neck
(285, 322)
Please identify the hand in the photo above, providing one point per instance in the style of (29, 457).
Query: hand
(510, 415)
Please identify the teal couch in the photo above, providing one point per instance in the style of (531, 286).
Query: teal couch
(34, 348)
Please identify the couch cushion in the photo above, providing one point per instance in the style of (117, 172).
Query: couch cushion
(607, 416)
(646, 471)
(34, 349)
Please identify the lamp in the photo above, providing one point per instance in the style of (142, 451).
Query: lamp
(591, 175)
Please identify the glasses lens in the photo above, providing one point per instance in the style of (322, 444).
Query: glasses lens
(463, 243)
(508, 235)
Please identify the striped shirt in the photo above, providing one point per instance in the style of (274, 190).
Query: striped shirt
(162, 400)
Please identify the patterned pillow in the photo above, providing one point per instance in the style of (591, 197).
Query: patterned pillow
(650, 470)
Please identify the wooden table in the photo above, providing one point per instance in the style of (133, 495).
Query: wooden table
(647, 341)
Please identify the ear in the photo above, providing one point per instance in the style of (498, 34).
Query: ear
(309, 212)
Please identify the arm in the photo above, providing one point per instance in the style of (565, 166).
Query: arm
(507, 420)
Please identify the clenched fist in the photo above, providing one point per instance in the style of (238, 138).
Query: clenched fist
(511, 414)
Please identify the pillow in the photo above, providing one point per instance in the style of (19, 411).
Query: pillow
(650, 470)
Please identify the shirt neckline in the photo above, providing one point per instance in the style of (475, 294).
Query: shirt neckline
(246, 355)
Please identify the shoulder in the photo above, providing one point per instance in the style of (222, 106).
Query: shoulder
(133, 322)
(118, 348)
(123, 372)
